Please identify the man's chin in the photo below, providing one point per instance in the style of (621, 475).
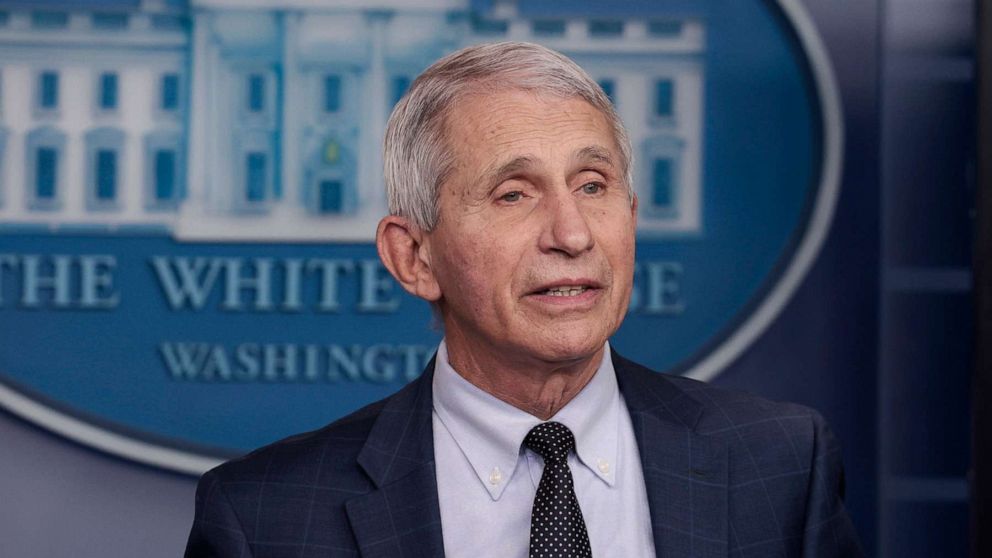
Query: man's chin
(566, 351)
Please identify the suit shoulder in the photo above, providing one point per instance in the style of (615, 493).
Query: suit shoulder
(751, 423)
(723, 405)
(765, 437)
(297, 456)
(719, 406)
(783, 463)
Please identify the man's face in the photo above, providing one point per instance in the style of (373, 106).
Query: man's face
(534, 250)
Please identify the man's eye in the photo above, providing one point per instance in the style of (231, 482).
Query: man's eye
(592, 188)
(511, 196)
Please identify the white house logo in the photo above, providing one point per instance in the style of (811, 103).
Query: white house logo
(189, 194)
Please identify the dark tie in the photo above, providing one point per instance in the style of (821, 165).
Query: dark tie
(556, 525)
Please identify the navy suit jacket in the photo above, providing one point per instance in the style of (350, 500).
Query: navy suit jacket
(727, 474)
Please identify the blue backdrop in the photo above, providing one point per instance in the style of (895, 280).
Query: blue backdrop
(170, 150)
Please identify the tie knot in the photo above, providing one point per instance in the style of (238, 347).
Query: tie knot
(551, 440)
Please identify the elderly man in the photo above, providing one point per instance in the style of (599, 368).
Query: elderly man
(512, 213)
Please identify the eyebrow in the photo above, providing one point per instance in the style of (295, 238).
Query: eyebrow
(495, 177)
(595, 153)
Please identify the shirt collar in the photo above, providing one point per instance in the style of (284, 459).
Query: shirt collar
(490, 432)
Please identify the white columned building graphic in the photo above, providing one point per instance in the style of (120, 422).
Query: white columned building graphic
(92, 116)
(262, 120)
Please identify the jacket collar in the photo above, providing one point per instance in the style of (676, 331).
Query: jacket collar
(645, 394)
(401, 440)
(401, 516)
(685, 473)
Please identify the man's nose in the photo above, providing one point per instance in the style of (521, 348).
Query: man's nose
(567, 229)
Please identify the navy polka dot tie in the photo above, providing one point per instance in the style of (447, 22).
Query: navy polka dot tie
(556, 525)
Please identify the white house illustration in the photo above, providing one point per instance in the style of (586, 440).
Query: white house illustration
(262, 120)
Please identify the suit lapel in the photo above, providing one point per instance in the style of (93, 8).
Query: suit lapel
(401, 517)
(685, 473)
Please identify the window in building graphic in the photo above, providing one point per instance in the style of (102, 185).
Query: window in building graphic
(664, 98)
(255, 171)
(608, 86)
(455, 17)
(258, 97)
(330, 175)
(331, 196)
(662, 192)
(606, 28)
(49, 20)
(548, 27)
(46, 173)
(169, 22)
(106, 175)
(486, 26)
(332, 93)
(110, 21)
(400, 85)
(108, 91)
(256, 93)
(48, 90)
(255, 177)
(45, 148)
(170, 92)
(163, 168)
(664, 28)
(165, 175)
(103, 173)
(662, 185)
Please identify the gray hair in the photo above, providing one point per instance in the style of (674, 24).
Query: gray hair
(416, 158)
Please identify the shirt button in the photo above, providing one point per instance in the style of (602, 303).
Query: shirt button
(495, 476)
(604, 466)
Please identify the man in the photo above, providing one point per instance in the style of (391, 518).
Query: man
(508, 175)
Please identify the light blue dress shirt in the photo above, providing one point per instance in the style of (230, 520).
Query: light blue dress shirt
(486, 479)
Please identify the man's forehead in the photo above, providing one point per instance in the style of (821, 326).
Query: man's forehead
(504, 127)
(484, 114)
(510, 163)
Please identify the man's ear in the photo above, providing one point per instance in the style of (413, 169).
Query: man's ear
(402, 251)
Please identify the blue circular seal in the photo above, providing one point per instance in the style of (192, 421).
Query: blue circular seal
(186, 265)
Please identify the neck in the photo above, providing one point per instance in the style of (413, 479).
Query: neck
(537, 387)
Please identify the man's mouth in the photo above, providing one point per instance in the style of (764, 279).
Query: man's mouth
(567, 290)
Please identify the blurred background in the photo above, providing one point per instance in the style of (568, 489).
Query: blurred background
(189, 191)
